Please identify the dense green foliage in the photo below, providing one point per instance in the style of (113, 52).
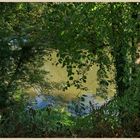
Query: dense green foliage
(83, 34)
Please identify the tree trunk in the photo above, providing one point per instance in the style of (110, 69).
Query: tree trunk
(119, 50)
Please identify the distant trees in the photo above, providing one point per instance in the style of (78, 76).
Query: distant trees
(109, 32)
(82, 33)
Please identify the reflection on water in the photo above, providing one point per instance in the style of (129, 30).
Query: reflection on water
(42, 101)
(82, 106)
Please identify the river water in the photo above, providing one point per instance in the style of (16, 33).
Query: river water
(83, 105)
(76, 101)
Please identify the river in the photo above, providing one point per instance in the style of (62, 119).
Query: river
(58, 75)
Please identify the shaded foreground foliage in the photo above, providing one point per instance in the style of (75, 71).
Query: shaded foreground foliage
(83, 35)
(57, 122)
